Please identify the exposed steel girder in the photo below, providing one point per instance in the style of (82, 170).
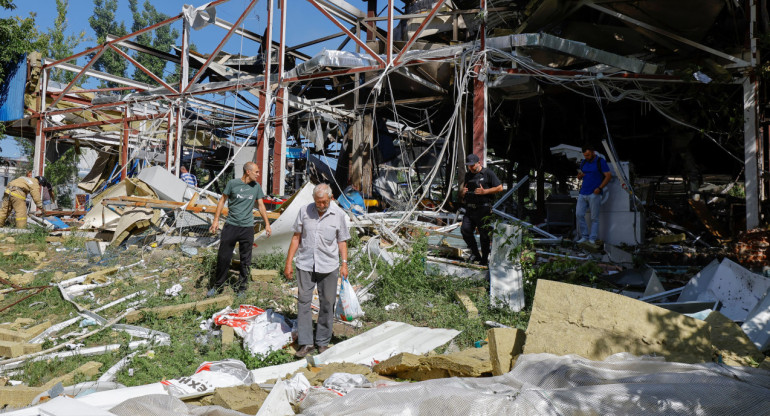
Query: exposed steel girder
(142, 68)
(417, 34)
(221, 45)
(103, 122)
(350, 34)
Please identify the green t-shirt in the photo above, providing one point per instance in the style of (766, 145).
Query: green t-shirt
(241, 198)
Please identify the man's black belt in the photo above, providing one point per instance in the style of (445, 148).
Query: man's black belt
(477, 206)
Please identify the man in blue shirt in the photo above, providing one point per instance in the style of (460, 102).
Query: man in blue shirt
(595, 175)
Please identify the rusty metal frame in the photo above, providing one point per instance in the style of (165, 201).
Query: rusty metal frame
(425, 23)
(350, 34)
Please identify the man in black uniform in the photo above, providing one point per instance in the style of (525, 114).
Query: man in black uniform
(481, 184)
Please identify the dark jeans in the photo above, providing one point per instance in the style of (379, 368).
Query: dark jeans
(231, 234)
(475, 218)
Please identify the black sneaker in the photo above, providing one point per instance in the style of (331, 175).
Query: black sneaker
(474, 259)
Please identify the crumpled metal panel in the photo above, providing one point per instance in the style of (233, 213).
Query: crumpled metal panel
(569, 47)
(340, 59)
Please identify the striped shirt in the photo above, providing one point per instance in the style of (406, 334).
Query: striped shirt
(190, 179)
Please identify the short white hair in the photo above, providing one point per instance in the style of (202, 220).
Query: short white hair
(322, 189)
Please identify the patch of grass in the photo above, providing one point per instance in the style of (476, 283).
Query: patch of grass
(355, 240)
(72, 242)
(430, 299)
(272, 261)
(15, 260)
(36, 237)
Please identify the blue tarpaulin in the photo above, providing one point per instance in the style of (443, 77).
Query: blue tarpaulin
(57, 223)
(12, 91)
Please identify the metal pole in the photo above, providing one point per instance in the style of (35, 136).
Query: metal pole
(389, 46)
(480, 97)
(124, 147)
(263, 148)
(750, 152)
(183, 84)
(281, 112)
(39, 161)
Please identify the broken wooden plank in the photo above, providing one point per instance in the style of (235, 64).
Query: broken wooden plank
(161, 204)
(467, 303)
(163, 312)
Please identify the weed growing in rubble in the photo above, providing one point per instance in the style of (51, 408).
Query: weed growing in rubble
(355, 240)
(427, 299)
(206, 267)
(556, 268)
(73, 242)
(36, 237)
(13, 261)
(272, 261)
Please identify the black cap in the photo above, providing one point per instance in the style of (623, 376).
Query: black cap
(42, 181)
(471, 159)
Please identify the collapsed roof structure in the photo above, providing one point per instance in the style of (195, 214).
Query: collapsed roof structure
(666, 85)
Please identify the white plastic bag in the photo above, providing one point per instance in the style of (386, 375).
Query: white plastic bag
(345, 382)
(209, 376)
(348, 307)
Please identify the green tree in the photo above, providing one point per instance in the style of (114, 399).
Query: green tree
(17, 37)
(173, 78)
(63, 171)
(103, 23)
(162, 38)
(61, 45)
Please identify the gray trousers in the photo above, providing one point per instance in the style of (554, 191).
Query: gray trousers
(327, 294)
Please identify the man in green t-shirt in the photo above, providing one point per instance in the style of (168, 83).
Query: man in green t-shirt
(242, 193)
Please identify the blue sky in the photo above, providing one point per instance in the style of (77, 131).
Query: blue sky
(305, 23)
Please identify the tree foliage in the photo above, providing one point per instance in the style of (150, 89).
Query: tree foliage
(176, 76)
(64, 169)
(103, 23)
(60, 45)
(17, 37)
(162, 38)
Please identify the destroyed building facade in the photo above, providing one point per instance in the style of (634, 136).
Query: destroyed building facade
(673, 92)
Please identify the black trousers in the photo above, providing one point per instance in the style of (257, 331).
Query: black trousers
(231, 234)
(478, 218)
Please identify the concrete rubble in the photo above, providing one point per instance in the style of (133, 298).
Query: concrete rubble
(570, 319)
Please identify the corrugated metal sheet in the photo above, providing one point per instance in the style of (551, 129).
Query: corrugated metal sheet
(12, 92)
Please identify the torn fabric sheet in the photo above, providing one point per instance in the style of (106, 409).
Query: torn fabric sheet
(200, 17)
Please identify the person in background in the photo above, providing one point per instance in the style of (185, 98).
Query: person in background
(188, 177)
(243, 194)
(319, 240)
(595, 175)
(477, 194)
(15, 195)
